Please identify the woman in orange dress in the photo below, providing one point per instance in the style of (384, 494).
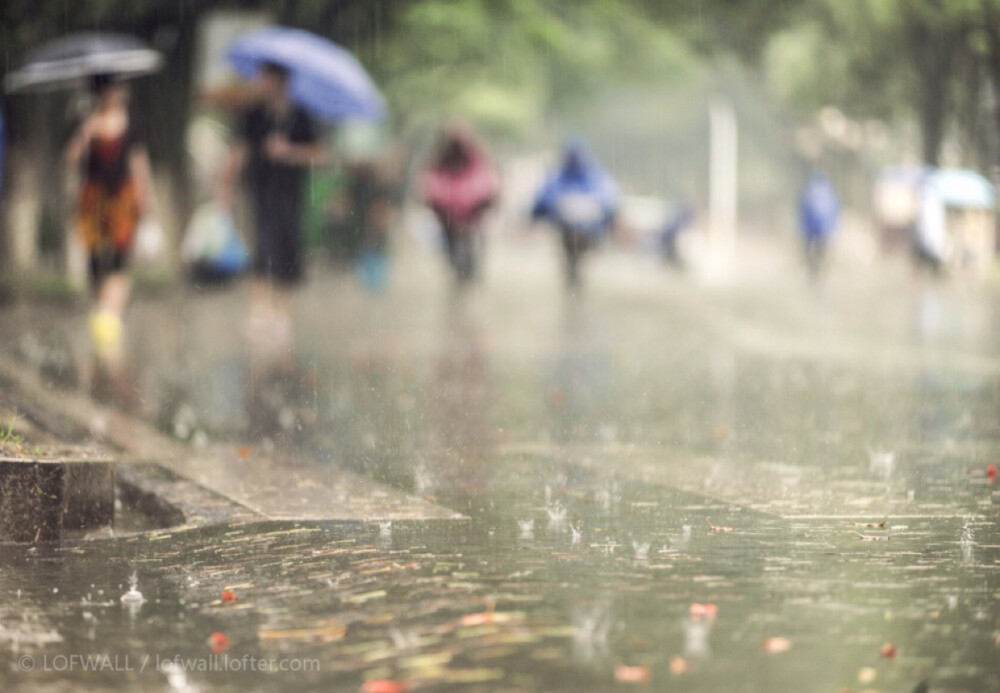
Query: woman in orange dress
(115, 191)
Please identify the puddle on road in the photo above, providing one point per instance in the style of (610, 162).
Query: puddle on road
(582, 569)
(636, 582)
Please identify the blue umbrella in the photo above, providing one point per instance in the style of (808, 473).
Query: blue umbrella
(324, 78)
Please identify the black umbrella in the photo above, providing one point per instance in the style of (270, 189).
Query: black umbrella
(68, 61)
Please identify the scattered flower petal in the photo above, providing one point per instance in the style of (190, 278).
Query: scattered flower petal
(678, 666)
(627, 674)
(484, 618)
(706, 611)
(219, 642)
(385, 686)
(776, 644)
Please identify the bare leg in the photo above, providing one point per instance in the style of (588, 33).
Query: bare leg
(114, 293)
(106, 319)
(270, 319)
(110, 381)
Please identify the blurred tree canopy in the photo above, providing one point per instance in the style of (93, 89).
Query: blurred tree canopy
(937, 61)
(507, 63)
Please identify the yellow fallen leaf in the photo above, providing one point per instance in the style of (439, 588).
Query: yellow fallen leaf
(364, 597)
(426, 661)
(323, 633)
(471, 675)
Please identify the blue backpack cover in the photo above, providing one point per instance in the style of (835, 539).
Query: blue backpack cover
(581, 196)
(819, 207)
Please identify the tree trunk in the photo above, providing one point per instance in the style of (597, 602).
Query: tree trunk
(163, 101)
(32, 199)
(932, 46)
(992, 29)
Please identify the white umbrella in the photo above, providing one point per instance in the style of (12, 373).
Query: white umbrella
(68, 61)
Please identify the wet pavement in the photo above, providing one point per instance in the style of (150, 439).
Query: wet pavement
(663, 483)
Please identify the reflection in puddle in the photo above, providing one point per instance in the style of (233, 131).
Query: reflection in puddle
(591, 626)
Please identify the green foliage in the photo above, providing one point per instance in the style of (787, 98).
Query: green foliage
(511, 64)
(11, 442)
(925, 60)
(849, 57)
(507, 63)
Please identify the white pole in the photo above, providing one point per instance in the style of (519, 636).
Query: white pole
(723, 179)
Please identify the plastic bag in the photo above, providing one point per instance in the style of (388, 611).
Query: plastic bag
(149, 241)
(212, 247)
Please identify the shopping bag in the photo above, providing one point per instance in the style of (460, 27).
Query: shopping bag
(150, 241)
(213, 248)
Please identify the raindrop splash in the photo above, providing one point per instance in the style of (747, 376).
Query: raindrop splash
(133, 597)
(696, 631)
(641, 550)
(556, 512)
(405, 640)
(423, 480)
(967, 542)
(176, 677)
(881, 463)
(590, 633)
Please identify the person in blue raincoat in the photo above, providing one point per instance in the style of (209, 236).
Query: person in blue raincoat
(581, 200)
(677, 223)
(819, 210)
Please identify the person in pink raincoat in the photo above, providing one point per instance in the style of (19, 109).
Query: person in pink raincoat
(459, 186)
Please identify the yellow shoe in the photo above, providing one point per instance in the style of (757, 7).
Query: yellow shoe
(106, 332)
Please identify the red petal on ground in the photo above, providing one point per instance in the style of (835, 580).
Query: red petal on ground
(627, 674)
(775, 645)
(385, 686)
(219, 642)
(243, 451)
(228, 597)
(888, 650)
(481, 619)
(991, 472)
(707, 611)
